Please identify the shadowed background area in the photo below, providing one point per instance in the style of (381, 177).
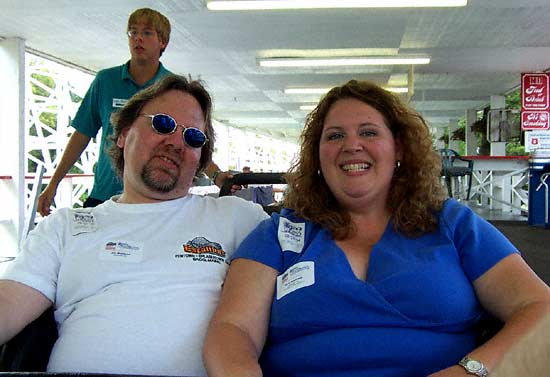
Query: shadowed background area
(532, 242)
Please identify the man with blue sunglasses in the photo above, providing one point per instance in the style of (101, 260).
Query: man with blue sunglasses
(135, 280)
(148, 34)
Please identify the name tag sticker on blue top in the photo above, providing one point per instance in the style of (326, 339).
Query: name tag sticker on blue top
(83, 222)
(122, 251)
(119, 102)
(291, 235)
(298, 276)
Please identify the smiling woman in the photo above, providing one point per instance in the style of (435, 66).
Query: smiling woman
(370, 271)
(357, 154)
(378, 115)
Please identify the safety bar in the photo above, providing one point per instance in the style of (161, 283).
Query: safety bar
(251, 179)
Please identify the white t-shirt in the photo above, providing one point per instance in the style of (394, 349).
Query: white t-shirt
(134, 285)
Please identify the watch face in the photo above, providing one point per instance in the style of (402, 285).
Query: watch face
(473, 365)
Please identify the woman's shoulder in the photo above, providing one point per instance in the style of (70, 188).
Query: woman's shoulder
(454, 211)
(284, 224)
(290, 214)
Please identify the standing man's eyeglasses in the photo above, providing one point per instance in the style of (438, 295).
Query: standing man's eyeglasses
(164, 124)
(132, 33)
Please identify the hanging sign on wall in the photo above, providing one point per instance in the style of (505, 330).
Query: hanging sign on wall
(534, 120)
(534, 91)
(535, 101)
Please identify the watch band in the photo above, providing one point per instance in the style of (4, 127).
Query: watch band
(473, 366)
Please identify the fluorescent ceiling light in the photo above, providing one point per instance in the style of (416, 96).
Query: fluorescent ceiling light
(394, 89)
(308, 107)
(324, 4)
(335, 62)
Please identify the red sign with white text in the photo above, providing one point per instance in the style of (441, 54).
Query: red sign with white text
(534, 120)
(534, 91)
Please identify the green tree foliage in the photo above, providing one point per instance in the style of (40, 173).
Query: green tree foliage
(49, 119)
(47, 81)
(41, 86)
(513, 102)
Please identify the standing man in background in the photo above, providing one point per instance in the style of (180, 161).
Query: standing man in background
(148, 35)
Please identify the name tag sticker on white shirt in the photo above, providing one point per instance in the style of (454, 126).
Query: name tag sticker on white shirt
(291, 235)
(83, 222)
(122, 251)
(300, 275)
(119, 102)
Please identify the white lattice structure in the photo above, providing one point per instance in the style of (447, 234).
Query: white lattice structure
(53, 94)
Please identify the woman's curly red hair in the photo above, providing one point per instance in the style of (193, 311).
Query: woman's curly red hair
(416, 194)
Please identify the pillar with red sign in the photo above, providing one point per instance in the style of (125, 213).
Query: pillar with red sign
(535, 106)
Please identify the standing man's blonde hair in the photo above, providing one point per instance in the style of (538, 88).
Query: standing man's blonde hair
(155, 19)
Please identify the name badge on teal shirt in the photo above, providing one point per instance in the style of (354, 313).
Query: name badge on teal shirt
(119, 102)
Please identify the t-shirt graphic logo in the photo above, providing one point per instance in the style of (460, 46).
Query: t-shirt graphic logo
(200, 249)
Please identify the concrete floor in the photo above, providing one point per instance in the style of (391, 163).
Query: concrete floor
(495, 214)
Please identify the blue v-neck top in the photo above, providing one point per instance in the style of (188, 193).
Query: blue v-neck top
(414, 314)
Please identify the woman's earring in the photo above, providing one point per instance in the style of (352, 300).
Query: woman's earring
(397, 164)
(318, 172)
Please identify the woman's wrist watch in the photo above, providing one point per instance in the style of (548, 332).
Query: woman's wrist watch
(474, 367)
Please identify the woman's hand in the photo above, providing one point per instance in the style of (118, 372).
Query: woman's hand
(454, 371)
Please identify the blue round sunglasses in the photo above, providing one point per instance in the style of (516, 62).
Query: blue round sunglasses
(164, 124)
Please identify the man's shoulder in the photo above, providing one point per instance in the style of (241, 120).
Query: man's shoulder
(110, 72)
(55, 222)
(163, 71)
(65, 214)
(453, 213)
(228, 204)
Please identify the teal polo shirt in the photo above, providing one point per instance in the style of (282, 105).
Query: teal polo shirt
(110, 90)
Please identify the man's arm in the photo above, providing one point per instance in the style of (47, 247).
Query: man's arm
(530, 356)
(214, 172)
(76, 145)
(19, 306)
(218, 176)
(238, 329)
